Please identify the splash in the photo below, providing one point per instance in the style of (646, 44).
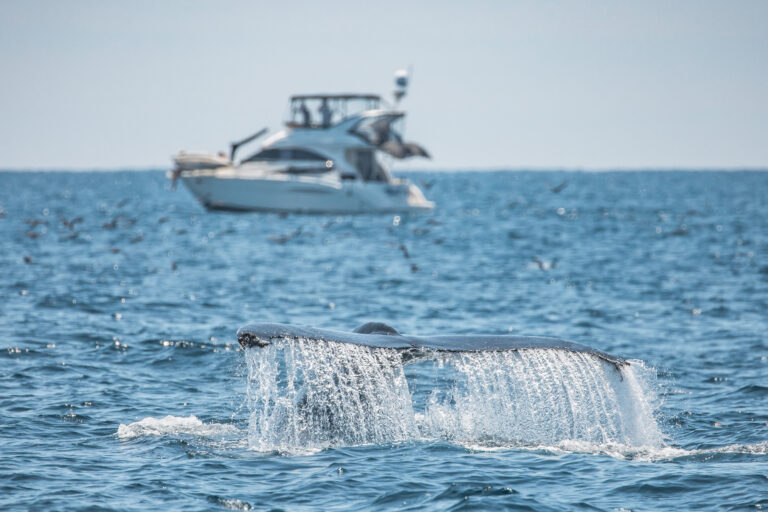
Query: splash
(542, 396)
(310, 395)
(306, 395)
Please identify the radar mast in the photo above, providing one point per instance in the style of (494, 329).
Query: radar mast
(401, 85)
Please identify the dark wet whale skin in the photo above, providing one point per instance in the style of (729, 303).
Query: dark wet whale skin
(381, 335)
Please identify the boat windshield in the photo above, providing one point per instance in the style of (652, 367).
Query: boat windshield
(325, 110)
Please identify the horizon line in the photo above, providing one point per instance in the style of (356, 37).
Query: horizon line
(425, 170)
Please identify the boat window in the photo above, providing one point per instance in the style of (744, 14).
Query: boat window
(306, 170)
(285, 154)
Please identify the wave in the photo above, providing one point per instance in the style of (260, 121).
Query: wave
(620, 451)
(174, 426)
(304, 397)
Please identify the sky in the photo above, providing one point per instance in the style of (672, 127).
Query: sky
(495, 85)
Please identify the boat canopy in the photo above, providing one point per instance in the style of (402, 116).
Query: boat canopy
(325, 110)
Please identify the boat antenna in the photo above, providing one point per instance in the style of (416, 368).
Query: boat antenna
(401, 85)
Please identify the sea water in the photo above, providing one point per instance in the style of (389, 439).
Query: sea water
(123, 387)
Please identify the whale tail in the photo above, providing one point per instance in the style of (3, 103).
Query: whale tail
(313, 388)
(381, 335)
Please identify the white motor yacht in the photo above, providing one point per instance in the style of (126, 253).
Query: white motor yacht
(331, 157)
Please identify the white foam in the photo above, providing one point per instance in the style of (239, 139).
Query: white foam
(621, 451)
(235, 504)
(174, 426)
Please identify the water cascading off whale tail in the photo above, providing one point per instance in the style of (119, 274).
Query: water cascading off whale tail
(314, 388)
(381, 335)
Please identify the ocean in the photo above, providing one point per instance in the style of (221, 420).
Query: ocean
(123, 386)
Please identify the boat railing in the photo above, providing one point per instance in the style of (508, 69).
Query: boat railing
(321, 111)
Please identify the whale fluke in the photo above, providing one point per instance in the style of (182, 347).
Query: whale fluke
(380, 335)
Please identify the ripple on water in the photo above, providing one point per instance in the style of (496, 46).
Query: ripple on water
(501, 253)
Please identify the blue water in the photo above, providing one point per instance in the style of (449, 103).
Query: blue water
(122, 386)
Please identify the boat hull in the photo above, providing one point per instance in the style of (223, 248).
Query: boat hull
(304, 195)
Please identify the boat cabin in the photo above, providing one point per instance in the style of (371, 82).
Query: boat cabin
(301, 152)
(326, 110)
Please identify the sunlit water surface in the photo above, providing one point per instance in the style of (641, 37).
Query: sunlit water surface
(122, 386)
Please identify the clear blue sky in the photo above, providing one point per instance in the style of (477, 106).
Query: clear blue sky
(507, 84)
